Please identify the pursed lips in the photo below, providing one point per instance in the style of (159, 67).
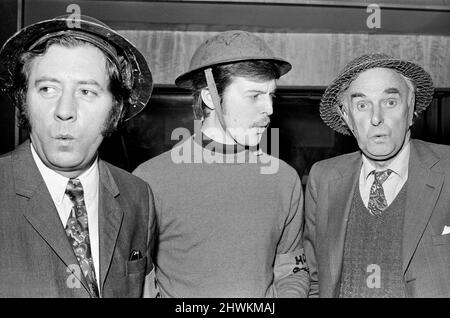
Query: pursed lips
(64, 137)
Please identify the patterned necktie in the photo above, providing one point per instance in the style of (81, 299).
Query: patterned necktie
(77, 231)
(377, 200)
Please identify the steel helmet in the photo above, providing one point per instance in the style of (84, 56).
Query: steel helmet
(228, 47)
(91, 30)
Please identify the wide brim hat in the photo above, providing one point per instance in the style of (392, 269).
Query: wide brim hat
(115, 47)
(331, 100)
(226, 48)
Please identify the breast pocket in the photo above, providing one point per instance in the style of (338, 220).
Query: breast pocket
(136, 266)
(441, 239)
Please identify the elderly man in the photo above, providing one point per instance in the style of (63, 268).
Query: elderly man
(71, 224)
(227, 226)
(377, 220)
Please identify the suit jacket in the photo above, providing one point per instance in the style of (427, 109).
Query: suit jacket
(36, 258)
(425, 252)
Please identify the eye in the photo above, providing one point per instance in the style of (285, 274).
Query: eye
(47, 91)
(88, 93)
(362, 105)
(391, 103)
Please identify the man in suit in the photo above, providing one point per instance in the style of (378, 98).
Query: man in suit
(377, 220)
(72, 225)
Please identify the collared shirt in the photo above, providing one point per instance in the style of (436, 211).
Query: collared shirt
(393, 183)
(56, 185)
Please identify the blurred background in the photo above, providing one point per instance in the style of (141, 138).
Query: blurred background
(317, 37)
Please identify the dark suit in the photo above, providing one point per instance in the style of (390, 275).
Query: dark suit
(426, 253)
(36, 257)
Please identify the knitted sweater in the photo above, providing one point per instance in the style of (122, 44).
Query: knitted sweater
(226, 229)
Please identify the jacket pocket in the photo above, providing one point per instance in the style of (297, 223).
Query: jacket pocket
(441, 239)
(136, 266)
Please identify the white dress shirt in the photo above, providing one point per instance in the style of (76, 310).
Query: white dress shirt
(393, 183)
(56, 185)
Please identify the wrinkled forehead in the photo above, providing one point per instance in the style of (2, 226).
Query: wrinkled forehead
(379, 80)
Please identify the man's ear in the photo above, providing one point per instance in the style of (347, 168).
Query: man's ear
(344, 112)
(411, 107)
(119, 115)
(207, 98)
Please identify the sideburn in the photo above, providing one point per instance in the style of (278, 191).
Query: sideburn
(113, 119)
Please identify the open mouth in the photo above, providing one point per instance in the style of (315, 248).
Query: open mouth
(379, 137)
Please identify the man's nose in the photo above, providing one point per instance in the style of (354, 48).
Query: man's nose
(268, 105)
(66, 109)
(377, 115)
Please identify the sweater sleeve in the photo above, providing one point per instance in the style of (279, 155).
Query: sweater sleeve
(290, 270)
(310, 231)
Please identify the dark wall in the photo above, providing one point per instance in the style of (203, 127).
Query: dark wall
(8, 26)
(303, 137)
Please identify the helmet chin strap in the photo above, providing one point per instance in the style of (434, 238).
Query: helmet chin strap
(215, 99)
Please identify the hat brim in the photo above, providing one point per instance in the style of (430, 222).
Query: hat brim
(142, 82)
(185, 79)
(330, 102)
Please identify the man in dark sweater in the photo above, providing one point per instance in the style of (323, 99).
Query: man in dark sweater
(377, 220)
(230, 217)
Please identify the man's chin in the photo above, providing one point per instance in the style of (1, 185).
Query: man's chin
(65, 162)
(380, 156)
(248, 141)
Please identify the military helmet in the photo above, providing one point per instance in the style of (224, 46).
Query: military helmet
(229, 47)
(116, 48)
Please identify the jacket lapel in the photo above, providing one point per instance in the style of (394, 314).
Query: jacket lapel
(341, 191)
(110, 219)
(424, 186)
(40, 211)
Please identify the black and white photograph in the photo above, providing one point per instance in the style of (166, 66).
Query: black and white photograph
(225, 154)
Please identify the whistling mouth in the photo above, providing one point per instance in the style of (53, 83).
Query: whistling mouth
(64, 137)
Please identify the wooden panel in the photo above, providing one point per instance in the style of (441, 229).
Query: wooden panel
(316, 58)
(269, 17)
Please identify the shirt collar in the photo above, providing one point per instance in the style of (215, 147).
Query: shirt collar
(57, 183)
(399, 165)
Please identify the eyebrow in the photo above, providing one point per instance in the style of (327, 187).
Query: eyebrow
(54, 80)
(355, 95)
(259, 91)
(392, 90)
(45, 79)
